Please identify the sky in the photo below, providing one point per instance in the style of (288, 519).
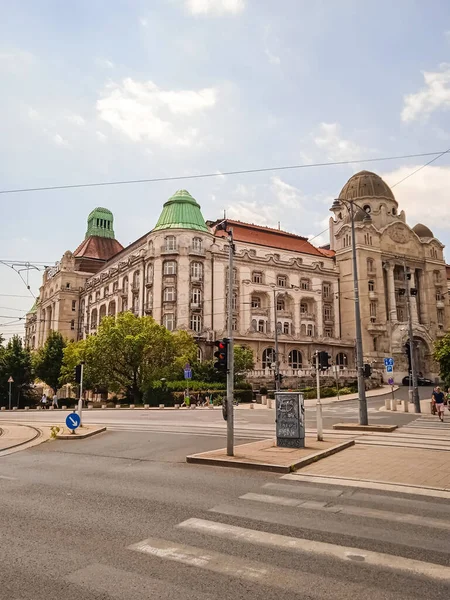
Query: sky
(113, 90)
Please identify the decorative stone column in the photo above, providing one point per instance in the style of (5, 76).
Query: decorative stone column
(391, 293)
(413, 299)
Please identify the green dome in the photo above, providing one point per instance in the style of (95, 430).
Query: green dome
(181, 211)
(100, 223)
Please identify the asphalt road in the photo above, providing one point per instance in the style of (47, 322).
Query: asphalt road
(122, 516)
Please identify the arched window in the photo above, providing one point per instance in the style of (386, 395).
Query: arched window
(295, 359)
(303, 329)
(286, 328)
(149, 277)
(341, 360)
(310, 330)
(234, 301)
(254, 325)
(112, 308)
(256, 302)
(370, 265)
(125, 285)
(115, 286)
(170, 267)
(170, 243)
(136, 278)
(304, 308)
(124, 305)
(149, 299)
(97, 296)
(281, 304)
(102, 312)
(199, 355)
(196, 271)
(268, 357)
(94, 319)
(106, 292)
(169, 294)
(371, 286)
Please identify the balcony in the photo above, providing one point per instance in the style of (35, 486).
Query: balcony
(196, 305)
(373, 295)
(308, 317)
(148, 308)
(165, 250)
(374, 327)
(193, 251)
(260, 312)
(328, 321)
(124, 292)
(135, 287)
(440, 304)
(148, 283)
(196, 277)
(284, 314)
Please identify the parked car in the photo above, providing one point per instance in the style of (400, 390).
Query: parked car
(420, 381)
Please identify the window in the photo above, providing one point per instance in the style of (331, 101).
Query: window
(394, 211)
(170, 243)
(256, 302)
(295, 359)
(367, 239)
(67, 286)
(72, 325)
(281, 304)
(341, 360)
(136, 304)
(440, 316)
(169, 321)
(261, 326)
(234, 302)
(373, 311)
(400, 314)
(234, 323)
(94, 318)
(149, 299)
(257, 277)
(197, 244)
(433, 253)
(282, 281)
(310, 331)
(328, 332)
(136, 279)
(268, 357)
(437, 276)
(170, 267)
(253, 325)
(169, 294)
(196, 270)
(199, 355)
(112, 309)
(326, 290)
(367, 209)
(125, 305)
(106, 292)
(125, 285)
(439, 295)
(196, 323)
(115, 286)
(286, 328)
(303, 308)
(97, 296)
(305, 284)
(370, 265)
(371, 286)
(149, 273)
(327, 312)
(196, 296)
(74, 305)
(375, 344)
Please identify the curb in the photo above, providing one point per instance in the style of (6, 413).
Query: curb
(356, 427)
(243, 464)
(80, 436)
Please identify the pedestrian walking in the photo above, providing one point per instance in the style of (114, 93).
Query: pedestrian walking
(55, 401)
(44, 401)
(438, 397)
(447, 399)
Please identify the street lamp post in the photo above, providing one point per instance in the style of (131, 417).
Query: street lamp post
(363, 415)
(277, 359)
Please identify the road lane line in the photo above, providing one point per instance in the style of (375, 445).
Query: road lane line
(271, 499)
(8, 478)
(300, 545)
(385, 486)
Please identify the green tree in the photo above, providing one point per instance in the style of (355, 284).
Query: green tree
(243, 362)
(129, 353)
(442, 356)
(15, 362)
(48, 360)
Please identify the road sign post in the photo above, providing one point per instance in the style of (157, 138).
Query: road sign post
(187, 376)
(73, 421)
(10, 381)
(80, 401)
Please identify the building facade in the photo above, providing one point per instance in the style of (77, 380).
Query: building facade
(178, 274)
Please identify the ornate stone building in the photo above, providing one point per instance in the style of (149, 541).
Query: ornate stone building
(178, 274)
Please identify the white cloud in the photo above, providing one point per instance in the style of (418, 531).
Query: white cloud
(143, 21)
(104, 63)
(101, 136)
(433, 96)
(273, 59)
(328, 139)
(59, 140)
(76, 120)
(215, 7)
(16, 61)
(425, 196)
(143, 111)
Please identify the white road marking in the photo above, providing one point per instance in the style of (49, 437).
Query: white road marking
(300, 545)
(371, 513)
(8, 478)
(371, 485)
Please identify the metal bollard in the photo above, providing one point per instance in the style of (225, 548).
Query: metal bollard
(405, 406)
(319, 421)
(387, 403)
(394, 404)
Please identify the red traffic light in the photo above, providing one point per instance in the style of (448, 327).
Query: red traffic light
(221, 355)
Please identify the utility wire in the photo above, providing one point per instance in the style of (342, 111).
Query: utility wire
(420, 168)
(217, 173)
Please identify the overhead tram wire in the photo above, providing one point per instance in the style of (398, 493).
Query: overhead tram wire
(420, 168)
(219, 173)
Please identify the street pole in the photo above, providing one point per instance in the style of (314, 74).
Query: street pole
(10, 381)
(415, 388)
(363, 416)
(80, 401)
(230, 371)
(319, 424)
(277, 361)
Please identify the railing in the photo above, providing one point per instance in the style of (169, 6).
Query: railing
(197, 251)
(169, 250)
(343, 372)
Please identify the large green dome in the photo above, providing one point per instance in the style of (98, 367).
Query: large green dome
(181, 211)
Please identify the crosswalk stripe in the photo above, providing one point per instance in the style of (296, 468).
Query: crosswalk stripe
(359, 511)
(372, 485)
(301, 545)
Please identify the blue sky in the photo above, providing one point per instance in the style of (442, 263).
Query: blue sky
(112, 90)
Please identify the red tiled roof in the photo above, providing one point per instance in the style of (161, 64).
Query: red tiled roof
(327, 252)
(274, 238)
(97, 247)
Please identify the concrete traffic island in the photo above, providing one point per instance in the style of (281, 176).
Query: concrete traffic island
(266, 456)
(79, 434)
(356, 427)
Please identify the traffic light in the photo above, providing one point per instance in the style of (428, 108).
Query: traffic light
(324, 361)
(221, 355)
(78, 374)
(367, 371)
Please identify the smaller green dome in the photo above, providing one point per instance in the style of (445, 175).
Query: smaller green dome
(181, 211)
(100, 223)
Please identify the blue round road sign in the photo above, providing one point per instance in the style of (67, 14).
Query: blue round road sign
(73, 421)
(391, 381)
